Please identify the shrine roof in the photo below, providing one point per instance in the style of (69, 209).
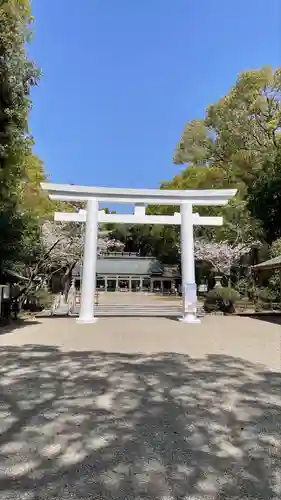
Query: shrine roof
(130, 266)
(269, 265)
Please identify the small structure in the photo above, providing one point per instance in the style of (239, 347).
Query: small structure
(9, 288)
(140, 197)
(269, 265)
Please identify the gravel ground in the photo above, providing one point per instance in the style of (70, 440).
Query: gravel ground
(141, 409)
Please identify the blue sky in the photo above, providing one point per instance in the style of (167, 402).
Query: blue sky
(121, 77)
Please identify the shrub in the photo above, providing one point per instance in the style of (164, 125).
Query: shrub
(246, 287)
(265, 297)
(41, 299)
(221, 299)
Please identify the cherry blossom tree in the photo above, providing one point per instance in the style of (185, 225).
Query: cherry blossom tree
(107, 244)
(64, 243)
(221, 255)
(61, 249)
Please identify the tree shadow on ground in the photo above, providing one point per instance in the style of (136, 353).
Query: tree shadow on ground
(268, 318)
(93, 425)
(15, 324)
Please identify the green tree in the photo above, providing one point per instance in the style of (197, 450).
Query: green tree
(275, 249)
(17, 75)
(239, 224)
(240, 131)
(32, 198)
(265, 198)
(156, 240)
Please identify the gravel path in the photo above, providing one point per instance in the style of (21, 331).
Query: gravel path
(141, 409)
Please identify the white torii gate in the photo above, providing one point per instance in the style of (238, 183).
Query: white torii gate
(92, 216)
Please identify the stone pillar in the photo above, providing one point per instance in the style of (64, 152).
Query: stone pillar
(188, 265)
(141, 284)
(151, 285)
(130, 283)
(71, 298)
(89, 264)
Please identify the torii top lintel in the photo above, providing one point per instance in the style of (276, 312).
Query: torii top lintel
(70, 192)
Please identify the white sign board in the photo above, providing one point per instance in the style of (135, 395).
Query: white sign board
(190, 296)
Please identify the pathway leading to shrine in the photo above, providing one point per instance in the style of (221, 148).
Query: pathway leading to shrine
(144, 408)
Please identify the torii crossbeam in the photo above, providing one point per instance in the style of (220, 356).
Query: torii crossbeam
(138, 217)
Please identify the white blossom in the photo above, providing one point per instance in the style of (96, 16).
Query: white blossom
(221, 255)
(107, 244)
(64, 243)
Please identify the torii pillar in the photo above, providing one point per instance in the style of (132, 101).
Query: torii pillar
(189, 291)
(89, 264)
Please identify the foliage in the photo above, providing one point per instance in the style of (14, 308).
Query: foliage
(265, 294)
(275, 249)
(17, 76)
(159, 241)
(33, 200)
(234, 240)
(274, 284)
(34, 207)
(246, 287)
(267, 298)
(40, 299)
(221, 299)
(239, 225)
(265, 197)
(238, 145)
(240, 130)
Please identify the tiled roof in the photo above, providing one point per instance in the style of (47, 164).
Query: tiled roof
(125, 266)
(137, 266)
(269, 264)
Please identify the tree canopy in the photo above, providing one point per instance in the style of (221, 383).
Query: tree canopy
(17, 75)
(265, 198)
(240, 131)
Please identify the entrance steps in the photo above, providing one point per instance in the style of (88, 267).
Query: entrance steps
(142, 310)
(121, 305)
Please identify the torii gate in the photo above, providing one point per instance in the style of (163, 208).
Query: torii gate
(92, 216)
